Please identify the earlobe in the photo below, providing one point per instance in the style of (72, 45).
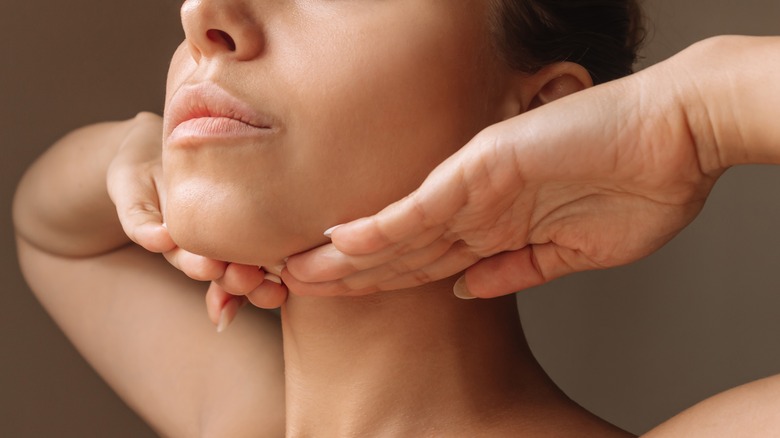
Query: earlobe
(556, 81)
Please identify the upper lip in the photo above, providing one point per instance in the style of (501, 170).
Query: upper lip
(207, 99)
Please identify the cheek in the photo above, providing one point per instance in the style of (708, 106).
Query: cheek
(365, 130)
(376, 124)
(182, 65)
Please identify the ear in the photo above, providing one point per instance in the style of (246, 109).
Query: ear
(553, 82)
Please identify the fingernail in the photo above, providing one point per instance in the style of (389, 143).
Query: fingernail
(461, 291)
(227, 314)
(271, 277)
(330, 231)
(276, 270)
(164, 225)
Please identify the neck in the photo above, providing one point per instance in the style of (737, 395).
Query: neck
(402, 362)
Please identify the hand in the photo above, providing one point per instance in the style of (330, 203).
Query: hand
(135, 185)
(594, 180)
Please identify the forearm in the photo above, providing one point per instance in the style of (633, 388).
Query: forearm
(731, 97)
(62, 205)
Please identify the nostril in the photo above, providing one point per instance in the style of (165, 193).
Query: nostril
(221, 37)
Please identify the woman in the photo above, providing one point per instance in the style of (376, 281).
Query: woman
(260, 155)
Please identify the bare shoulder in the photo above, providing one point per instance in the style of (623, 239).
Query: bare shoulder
(143, 326)
(750, 410)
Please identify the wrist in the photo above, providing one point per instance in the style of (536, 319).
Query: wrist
(729, 94)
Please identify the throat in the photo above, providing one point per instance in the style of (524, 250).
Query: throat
(402, 362)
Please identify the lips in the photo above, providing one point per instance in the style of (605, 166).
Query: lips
(206, 111)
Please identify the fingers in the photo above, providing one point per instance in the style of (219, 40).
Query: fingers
(458, 258)
(269, 295)
(132, 187)
(534, 265)
(439, 260)
(495, 276)
(327, 263)
(216, 300)
(262, 289)
(504, 274)
(138, 209)
(323, 289)
(222, 307)
(429, 207)
(365, 254)
(241, 279)
(194, 266)
(151, 235)
(394, 224)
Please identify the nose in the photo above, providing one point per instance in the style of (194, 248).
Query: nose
(227, 28)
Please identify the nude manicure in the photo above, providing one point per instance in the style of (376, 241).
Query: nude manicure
(275, 270)
(228, 314)
(271, 277)
(461, 290)
(330, 231)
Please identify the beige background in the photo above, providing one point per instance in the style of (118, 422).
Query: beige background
(635, 344)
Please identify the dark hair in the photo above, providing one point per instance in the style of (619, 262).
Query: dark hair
(601, 35)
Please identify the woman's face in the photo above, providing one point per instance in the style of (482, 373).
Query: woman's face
(303, 114)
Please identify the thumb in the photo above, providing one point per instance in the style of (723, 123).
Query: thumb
(138, 209)
(143, 224)
(513, 271)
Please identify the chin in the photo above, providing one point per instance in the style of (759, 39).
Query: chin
(234, 242)
(208, 217)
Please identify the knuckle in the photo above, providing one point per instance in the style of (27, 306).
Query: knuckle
(198, 269)
(363, 291)
(421, 276)
(399, 266)
(143, 209)
(329, 289)
(336, 288)
(346, 285)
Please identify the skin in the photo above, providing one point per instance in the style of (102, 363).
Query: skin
(330, 117)
(650, 155)
(338, 354)
(331, 371)
(208, 194)
(474, 369)
(113, 300)
(704, 117)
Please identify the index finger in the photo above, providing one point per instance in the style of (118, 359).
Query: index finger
(327, 263)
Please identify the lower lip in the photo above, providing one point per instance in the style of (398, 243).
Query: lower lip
(213, 128)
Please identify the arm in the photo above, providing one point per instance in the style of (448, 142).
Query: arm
(138, 321)
(731, 99)
(730, 95)
(62, 205)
